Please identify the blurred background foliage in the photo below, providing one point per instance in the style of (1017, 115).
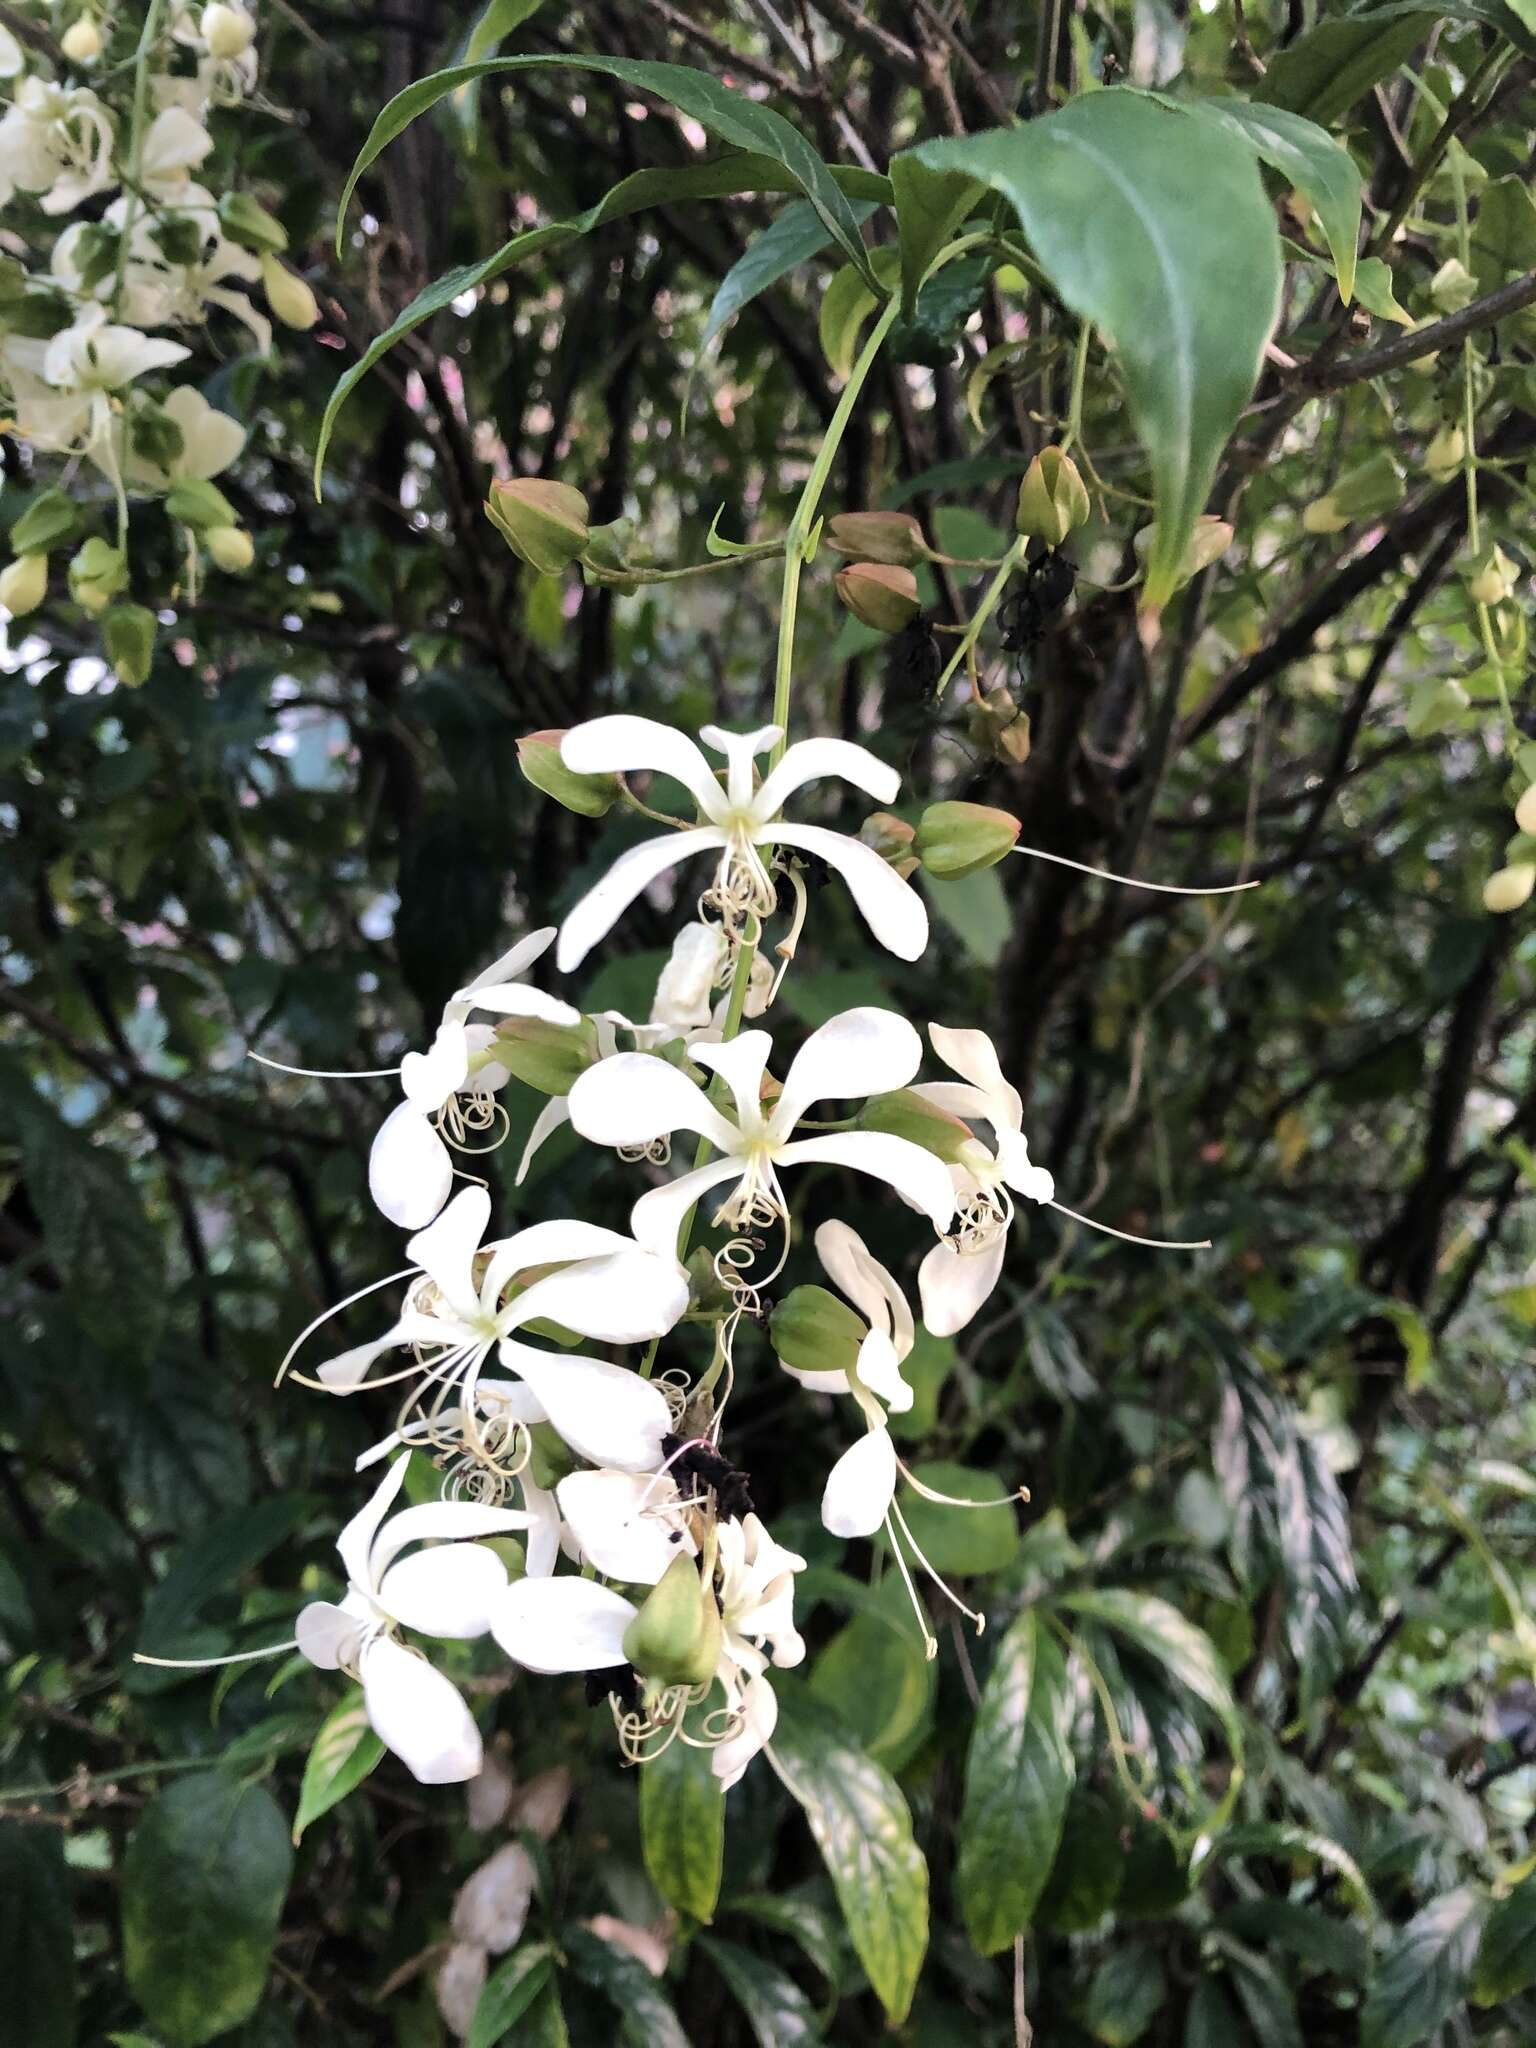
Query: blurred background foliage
(1313, 1443)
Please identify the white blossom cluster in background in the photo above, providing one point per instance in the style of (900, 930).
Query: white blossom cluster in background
(118, 247)
(584, 1511)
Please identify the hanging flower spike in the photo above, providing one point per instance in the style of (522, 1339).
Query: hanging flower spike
(606, 1288)
(958, 1275)
(737, 820)
(634, 1099)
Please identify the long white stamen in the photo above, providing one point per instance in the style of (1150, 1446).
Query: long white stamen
(978, 1620)
(930, 1640)
(1134, 881)
(1157, 1244)
(207, 1663)
(955, 1500)
(324, 1073)
(372, 1288)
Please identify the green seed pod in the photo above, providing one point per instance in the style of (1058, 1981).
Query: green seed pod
(128, 637)
(903, 1113)
(879, 595)
(50, 521)
(813, 1331)
(200, 505)
(96, 575)
(547, 1056)
(544, 523)
(893, 538)
(955, 839)
(1053, 498)
(538, 755)
(24, 584)
(1525, 811)
(246, 221)
(1493, 579)
(675, 1637)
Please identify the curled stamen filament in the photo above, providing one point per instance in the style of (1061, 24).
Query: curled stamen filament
(1135, 881)
(978, 1621)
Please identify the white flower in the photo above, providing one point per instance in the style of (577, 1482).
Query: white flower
(63, 387)
(448, 1591)
(210, 441)
(12, 57)
(626, 1525)
(756, 1591)
(606, 1287)
(56, 142)
(737, 820)
(634, 1098)
(861, 1484)
(174, 145)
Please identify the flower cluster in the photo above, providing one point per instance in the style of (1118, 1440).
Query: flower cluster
(118, 247)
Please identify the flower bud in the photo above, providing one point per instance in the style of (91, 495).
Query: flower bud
(879, 594)
(1445, 453)
(1323, 516)
(246, 221)
(1053, 498)
(288, 295)
(903, 1113)
(96, 575)
(893, 538)
(231, 548)
(1525, 811)
(228, 31)
(998, 725)
(1371, 488)
(1494, 578)
(49, 521)
(891, 838)
(1453, 286)
(24, 584)
(1510, 887)
(81, 41)
(955, 839)
(608, 546)
(544, 523)
(128, 637)
(812, 1331)
(200, 505)
(547, 1056)
(675, 1637)
(538, 755)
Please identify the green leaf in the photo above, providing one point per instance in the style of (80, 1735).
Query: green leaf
(545, 2025)
(875, 1677)
(864, 1832)
(1506, 1956)
(1284, 1838)
(777, 2010)
(1322, 170)
(1018, 1778)
(976, 910)
(961, 1542)
(1424, 1974)
(1317, 1555)
(729, 115)
(1089, 1868)
(1124, 1997)
(1332, 64)
(37, 1941)
(224, 1550)
(344, 1752)
(1306, 1932)
(509, 1991)
(791, 1914)
(1267, 2001)
(682, 1828)
(930, 206)
(203, 1882)
(1160, 1632)
(646, 2018)
(498, 21)
(846, 305)
(792, 238)
(1504, 232)
(1161, 236)
(1210, 2021)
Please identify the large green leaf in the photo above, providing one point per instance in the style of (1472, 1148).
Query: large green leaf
(682, 1828)
(1319, 1562)
(1018, 1777)
(1160, 234)
(1424, 1974)
(203, 1882)
(509, 1991)
(930, 205)
(864, 1832)
(37, 1942)
(344, 1752)
(1160, 1632)
(1335, 62)
(777, 2010)
(792, 238)
(224, 1550)
(1506, 1956)
(646, 2018)
(961, 1542)
(1125, 1995)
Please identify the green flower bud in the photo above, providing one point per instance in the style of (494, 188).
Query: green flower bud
(288, 295)
(128, 636)
(1525, 811)
(813, 1331)
(955, 839)
(231, 548)
(1453, 286)
(1206, 544)
(24, 584)
(903, 1113)
(1053, 498)
(200, 505)
(608, 546)
(81, 41)
(894, 538)
(891, 838)
(1445, 453)
(96, 575)
(1493, 579)
(246, 221)
(590, 796)
(547, 1056)
(998, 725)
(675, 1637)
(49, 522)
(1509, 888)
(544, 523)
(879, 595)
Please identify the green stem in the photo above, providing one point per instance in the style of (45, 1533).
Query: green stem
(624, 578)
(141, 57)
(1469, 458)
(983, 612)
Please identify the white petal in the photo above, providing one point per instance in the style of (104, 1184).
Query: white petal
(953, 1285)
(620, 744)
(892, 909)
(562, 1624)
(514, 962)
(517, 999)
(544, 1529)
(429, 1078)
(441, 1521)
(741, 750)
(850, 1265)
(1032, 1182)
(635, 1098)
(551, 1243)
(912, 1172)
(346, 1372)
(818, 1382)
(450, 1591)
(607, 900)
(685, 984)
(860, 1485)
(328, 1635)
(742, 1062)
(606, 1413)
(621, 1524)
(356, 1540)
(808, 760)
(410, 1169)
(419, 1715)
(972, 1055)
(626, 1298)
(445, 1250)
(555, 1113)
(657, 1217)
(879, 1369)
(862, 1052)
(760, 1716)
